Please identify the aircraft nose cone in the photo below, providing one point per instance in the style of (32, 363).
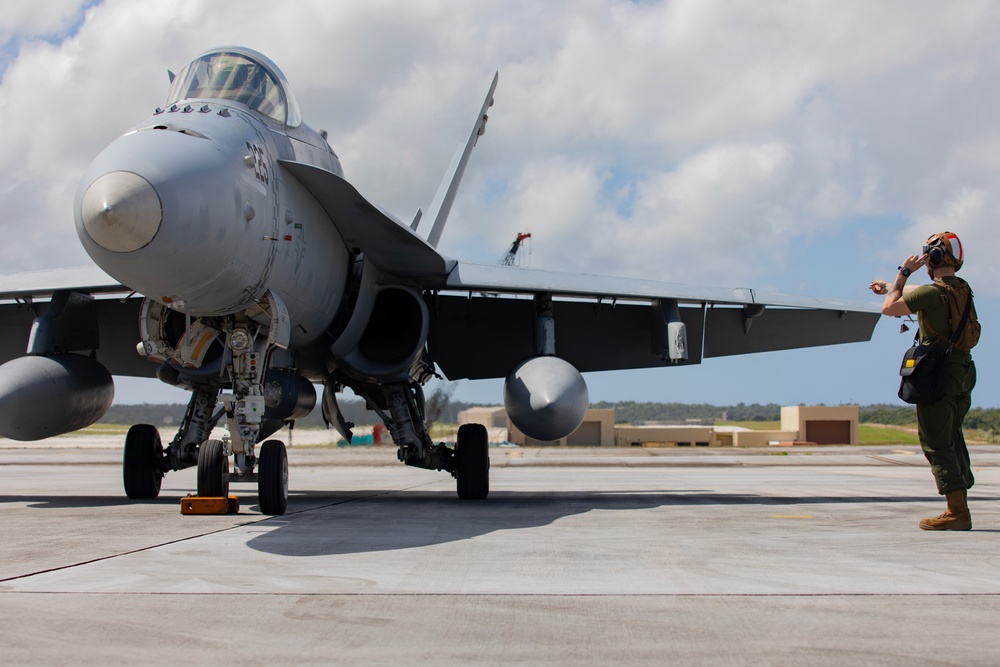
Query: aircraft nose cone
(121, 211)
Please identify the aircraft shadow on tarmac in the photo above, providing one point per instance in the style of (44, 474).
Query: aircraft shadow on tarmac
(329, 523)
(82, 502)
(371, 521)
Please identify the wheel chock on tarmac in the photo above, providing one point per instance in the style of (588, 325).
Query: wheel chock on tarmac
(210, 505)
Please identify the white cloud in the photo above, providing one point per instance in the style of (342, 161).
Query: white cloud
(622, 132)
(24, 19)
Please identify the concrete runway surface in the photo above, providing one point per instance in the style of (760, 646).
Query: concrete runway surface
(579, 557)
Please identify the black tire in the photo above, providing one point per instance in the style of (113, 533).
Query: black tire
(142, 471)
(272, 478)
(472, 462)
(213, 470)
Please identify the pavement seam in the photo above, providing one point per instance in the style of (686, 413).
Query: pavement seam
(206, 534)
(895, 462)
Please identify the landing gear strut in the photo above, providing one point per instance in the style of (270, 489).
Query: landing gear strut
(401, 407)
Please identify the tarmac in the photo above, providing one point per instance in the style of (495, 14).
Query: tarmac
(771, 556)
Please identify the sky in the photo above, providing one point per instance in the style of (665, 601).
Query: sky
(796, 147)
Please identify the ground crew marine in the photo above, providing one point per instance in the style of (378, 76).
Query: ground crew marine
(940, 423)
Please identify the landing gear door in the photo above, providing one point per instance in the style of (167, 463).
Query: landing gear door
(280, 331)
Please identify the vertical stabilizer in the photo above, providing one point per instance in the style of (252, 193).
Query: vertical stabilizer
(445, 197)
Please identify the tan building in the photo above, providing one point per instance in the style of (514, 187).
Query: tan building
(821, 425)
(490, 417)
(748, 438)
(666, 436)
(824, 425)
(597, 429)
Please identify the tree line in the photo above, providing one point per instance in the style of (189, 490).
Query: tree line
(442, 410)
(352, 410)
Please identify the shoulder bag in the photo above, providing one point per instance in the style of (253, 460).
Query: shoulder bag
(922, 373)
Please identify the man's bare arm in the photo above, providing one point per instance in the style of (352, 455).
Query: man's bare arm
(880, 287)
(894, 305)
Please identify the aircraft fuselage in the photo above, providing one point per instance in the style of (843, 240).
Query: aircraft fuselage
(191, 208)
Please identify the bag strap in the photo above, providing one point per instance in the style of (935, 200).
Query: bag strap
(961, 324)
(957, 332)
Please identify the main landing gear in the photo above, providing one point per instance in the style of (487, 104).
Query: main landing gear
(402, 408)
(472, 462)
(142, 469)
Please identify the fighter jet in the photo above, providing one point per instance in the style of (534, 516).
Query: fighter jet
(237, 262)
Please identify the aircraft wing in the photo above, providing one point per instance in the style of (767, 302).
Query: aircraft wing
(481, 329)
(116, 319)
(388, 243)
(88, 279)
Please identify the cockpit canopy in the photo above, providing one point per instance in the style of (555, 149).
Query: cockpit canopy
(241, 75)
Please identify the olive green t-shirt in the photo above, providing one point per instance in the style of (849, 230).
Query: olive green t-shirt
(931, 307)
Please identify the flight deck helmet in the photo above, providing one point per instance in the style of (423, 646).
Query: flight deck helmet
(944, 249)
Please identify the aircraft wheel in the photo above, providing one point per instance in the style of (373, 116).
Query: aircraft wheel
(141, 471)
(472, 462)
(272, 478)
(213, 470)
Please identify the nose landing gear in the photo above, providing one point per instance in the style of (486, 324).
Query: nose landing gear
(250, 337)
(213, 469)
(271, 475)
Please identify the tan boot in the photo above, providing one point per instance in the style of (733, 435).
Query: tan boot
(956, 517)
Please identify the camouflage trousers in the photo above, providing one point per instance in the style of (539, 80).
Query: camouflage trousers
(940, 427)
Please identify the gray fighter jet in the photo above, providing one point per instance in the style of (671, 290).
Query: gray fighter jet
(238, 263)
